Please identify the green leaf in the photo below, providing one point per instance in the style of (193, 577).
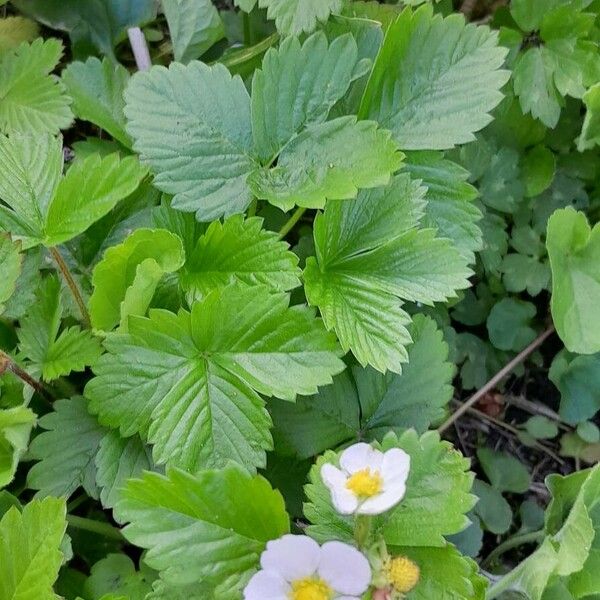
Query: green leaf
(194, 25)
(222, 518)
(194, 391)
(32, 100)
(93, 25)
(11, 261)
(574, 251)
(493, 510)
(15, 30)
(118, 460)
(51, 353)
(522, 273)
(66, 451)
(501, 186)
(126, 278)
(436, 501)
(97, 91)
(590, 131)
(192, 125)
(363, 403)
(296, 86)
(539, 166)
(116, 574)
(542, 428)
(239, 249)
(30, 550)
(15, 427)
(426, 68)
(450, 208)
(328, 160)
(90, 189)
(505, 472)
(293, 18)
(509, 324)
(370, 253)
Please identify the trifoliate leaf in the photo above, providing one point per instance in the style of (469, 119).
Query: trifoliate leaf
(436, 501)
(15, 427)
(506, 473)
(292, 17)
(328, 160)
(297, 85)
(509, 324)
(92, 25)
(192, 125)
(15, 30)
(444, 574)
(574, 251)
(89, 190)
(51, 353)
(194, 391)
(426, 68)
(11, 261)
(116, 574)
(590, 131)
(222, 518)
(97, 91)
(450, 208)
(32, 100)
(522, 273)
(366, 404)
(118, 460)
(66, 450)
(30, 549)
(194, 25)
(239, 249)
(126, 278)
(370, 254)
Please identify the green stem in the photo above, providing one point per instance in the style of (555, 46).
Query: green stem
(362, 530)
(64, 269)
(247, 30)
(289, 225)
(514, 542)
(104, 529)
(245, 54)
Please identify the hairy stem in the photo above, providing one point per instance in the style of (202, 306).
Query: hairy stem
(495, 380)
(8, 364)
(104, 529)
(64, 269)
(289, 225)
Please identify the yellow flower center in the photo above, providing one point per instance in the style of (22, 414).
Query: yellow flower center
(311, 589)
(402, 573)
(365, 484)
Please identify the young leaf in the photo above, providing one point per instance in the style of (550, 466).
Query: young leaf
(116, 575)
(66, 451)
(194, 25)
(30, 552)
(241, 250)
(293, 18)
(97, 91)
(506, 473)
(425, 70)
(222, 518)
(15, 30)
(15, 427)
(509, 324)
(89, 190)
(11, 261)
(328, 160)
(192, 125)
(126, 278)
(193, 392)
(31, 100)
(436, 501)
(574, 251)
(370, 253)
(297, 85)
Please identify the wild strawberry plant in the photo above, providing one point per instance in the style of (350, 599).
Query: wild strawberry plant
(246, 289)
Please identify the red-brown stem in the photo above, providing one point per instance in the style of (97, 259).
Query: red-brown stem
(8, 364)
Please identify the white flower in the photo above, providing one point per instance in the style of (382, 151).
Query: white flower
(369, 481)
(295, 567)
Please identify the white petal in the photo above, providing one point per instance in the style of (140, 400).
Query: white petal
(267, 585)
(384, 501)
(291, 556)
(395, 466)
(360, 456)
(343, 499)
(344, 568)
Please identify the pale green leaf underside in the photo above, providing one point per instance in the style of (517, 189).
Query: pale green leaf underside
(29, 550)
(222, 519)
(435, 80)
(193, 391)
(15, 427)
